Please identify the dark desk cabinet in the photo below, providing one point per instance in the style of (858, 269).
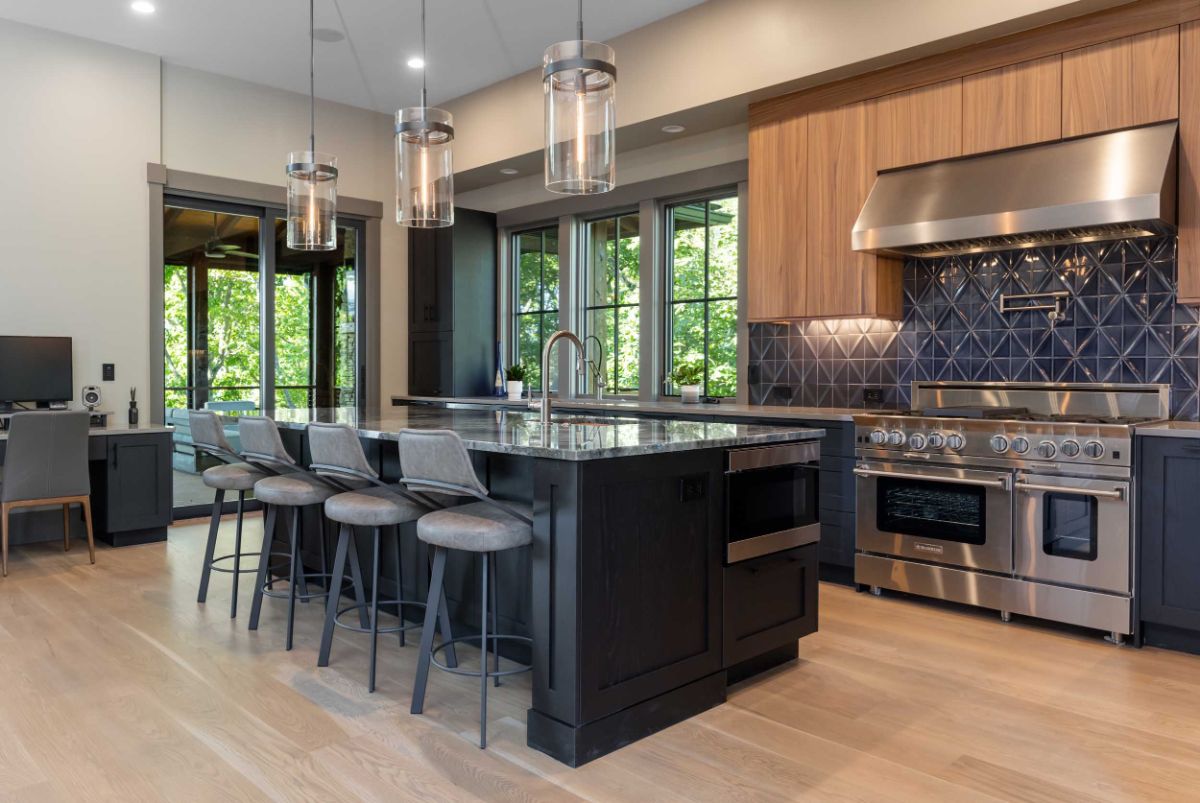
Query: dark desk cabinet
(1168, 513)
(135, 496)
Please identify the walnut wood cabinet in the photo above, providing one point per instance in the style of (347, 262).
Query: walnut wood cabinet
(920, 125)
(1129, 81)
(777, 197)
(1188, 257)
(1020, 104)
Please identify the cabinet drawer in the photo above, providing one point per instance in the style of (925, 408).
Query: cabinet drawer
(769, 602)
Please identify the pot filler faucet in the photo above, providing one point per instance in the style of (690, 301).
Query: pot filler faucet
(581, 366)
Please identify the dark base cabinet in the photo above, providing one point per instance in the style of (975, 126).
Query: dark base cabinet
(769, 601)
(1169, 541)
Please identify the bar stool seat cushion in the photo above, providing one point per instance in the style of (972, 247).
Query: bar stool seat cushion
(295, 489)
(372, 507)
(232, 477)
(476, 527)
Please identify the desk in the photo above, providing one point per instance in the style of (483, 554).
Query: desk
(130, 470)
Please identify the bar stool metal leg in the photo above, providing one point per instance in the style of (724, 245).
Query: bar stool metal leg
(301, 577)
(433, 605)
(331, 603)
(399, 585)
(264, 564)
(490, 564)
(356, 575)
(374, 608)
(237, 554)
(210, 548)
(483, 653)
(292, 575)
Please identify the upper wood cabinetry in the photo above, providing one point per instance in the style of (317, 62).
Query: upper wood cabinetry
(775, 256)
(841, 170)
(1188, 254)
(1126, 82)
(1010, 106)
(920, 125)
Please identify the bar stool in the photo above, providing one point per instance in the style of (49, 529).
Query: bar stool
(293, 489)
(337, 454)
(436, 461)
(208, 437)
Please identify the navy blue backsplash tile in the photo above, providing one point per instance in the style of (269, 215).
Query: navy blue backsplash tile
(1121, 325)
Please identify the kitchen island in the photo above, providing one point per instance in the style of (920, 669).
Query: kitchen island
(636, 620)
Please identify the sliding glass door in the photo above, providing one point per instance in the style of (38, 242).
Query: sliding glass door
(250, 325)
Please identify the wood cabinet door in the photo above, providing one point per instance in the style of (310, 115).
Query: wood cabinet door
(138, 482)
(842, 282)
(1020, 104)
(1129, 81)
(776, 272)
(1189, 163)
(1168, 543)
(920, 125)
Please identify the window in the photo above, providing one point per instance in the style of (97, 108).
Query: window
(611, 272)
(702, 289)
(536, 304)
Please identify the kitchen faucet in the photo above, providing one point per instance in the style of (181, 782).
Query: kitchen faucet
(596, 369)
(580, 366)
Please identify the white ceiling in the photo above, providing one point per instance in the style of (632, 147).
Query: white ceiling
(472, 43)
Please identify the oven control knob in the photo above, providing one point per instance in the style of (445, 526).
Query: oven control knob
(1094, 449)
(1046, 450)
(896, 437)
(1069, 448)
(916, 441)
(878, 437)
(1020, 445)
(936, 440)
(955, 441)
(999, 444)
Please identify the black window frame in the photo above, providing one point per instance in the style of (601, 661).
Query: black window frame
(514, 351)
(612, 349)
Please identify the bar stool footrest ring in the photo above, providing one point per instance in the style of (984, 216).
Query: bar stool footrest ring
(389, 629)
(308, 577)
(518, 669)
(212, 564)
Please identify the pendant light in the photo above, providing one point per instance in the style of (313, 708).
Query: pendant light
(312, 178)
(579, 81)
(424, 160)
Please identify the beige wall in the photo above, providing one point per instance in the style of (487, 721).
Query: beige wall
(80, 122)
(743, 49)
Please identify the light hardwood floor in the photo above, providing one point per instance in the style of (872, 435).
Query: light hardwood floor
(116, 685)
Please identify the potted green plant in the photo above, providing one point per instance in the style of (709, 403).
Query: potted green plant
(687, 378)
(515, 376)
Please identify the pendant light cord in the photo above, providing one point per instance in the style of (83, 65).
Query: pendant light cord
(580, 27)
(312, 83)
(424, 61)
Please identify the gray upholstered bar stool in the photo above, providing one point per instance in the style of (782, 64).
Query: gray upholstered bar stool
(436, 461)
(46, 464)
(367, 502)
(292, 489)
(208, 437)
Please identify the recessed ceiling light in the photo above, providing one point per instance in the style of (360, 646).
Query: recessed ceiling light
(509, 171)
(328, 35)
(672, 129)
(416, 62)
(142, 6)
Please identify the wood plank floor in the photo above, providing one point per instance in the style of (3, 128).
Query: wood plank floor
(116, 685)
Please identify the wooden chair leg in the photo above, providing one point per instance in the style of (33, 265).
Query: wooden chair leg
(87, 517)
(4, 536)
(66, 528)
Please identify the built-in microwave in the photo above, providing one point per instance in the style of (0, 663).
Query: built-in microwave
(771, 499)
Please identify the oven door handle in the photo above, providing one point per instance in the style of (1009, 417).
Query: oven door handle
(1102, 493)
(1002, 484)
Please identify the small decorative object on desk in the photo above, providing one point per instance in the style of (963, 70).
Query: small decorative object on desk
(498, 390)
(133, 408)
(516, 381)
(687, 378)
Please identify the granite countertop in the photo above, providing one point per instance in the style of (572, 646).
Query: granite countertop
(520, 433)
(725, 409)
(1171, 429)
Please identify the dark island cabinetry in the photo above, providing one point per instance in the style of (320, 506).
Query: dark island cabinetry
(1168, 514)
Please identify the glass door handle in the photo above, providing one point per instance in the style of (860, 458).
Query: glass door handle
(1102, 493)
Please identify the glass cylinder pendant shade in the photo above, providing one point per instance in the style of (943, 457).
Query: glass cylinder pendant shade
(424, 168)
(579, 81)
(312, 201)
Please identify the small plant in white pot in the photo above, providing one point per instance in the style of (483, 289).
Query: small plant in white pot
(515, 384)
(687, 378)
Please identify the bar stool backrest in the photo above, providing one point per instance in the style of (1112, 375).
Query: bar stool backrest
(47, 457)
(261, 443)
(209, 436)
(337, 452)
(436, 460)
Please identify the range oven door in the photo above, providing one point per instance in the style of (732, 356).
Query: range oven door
(939, 514)
(1074, 531)
(771, 499)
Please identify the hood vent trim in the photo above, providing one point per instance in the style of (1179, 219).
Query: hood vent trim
(1101, 187)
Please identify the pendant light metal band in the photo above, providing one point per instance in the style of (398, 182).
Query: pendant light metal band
(425, 125)
(312, 167)
(599, 65)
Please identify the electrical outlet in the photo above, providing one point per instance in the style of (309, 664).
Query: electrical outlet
(692, 488)
(108, 371)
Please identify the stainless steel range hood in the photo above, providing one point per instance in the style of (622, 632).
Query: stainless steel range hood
(1105, 186)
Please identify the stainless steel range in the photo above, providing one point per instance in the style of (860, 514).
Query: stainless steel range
(1009, 496)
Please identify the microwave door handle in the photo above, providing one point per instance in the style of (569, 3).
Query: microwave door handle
(1030, 487)
(1002, 484)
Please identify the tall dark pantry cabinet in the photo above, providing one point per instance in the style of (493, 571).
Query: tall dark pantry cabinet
(452, 307)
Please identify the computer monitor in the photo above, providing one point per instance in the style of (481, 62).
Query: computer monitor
(35, 369)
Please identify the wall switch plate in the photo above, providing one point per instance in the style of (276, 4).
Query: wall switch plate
(108, 371)
(872, 395)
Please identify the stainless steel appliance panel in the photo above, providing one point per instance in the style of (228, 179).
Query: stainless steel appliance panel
(771, 499)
